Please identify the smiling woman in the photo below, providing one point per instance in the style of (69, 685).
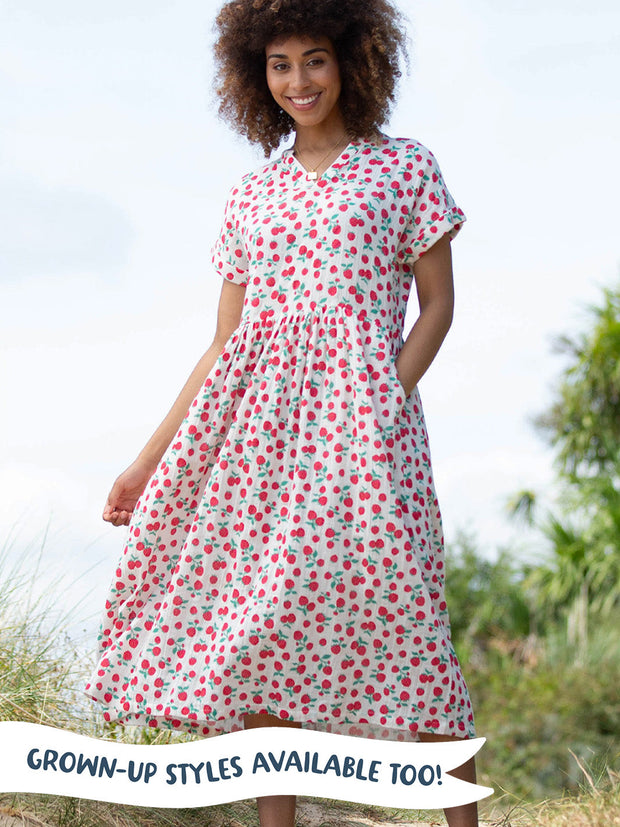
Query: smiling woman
(285, 557)
(367, 38)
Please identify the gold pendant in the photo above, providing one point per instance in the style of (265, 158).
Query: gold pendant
(312, 176)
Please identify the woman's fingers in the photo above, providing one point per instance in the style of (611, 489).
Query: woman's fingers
(116, 516)
(125, 493)
(120, 518)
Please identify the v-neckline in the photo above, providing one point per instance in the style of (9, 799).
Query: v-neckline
(336, 164)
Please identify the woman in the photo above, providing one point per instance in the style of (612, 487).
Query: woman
(284, 563)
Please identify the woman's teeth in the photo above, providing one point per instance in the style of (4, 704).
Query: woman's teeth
(302, 101)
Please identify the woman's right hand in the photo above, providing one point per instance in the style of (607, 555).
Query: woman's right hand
(126, 491)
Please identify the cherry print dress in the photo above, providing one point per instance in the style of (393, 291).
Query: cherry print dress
(287, 555)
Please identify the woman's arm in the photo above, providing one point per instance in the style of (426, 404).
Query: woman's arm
(433, 278)
(130, 485)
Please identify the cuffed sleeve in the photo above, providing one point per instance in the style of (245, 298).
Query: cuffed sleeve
(433, 212)
(228, 254)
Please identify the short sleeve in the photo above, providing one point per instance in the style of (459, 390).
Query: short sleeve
(228, 254)
(433, 212)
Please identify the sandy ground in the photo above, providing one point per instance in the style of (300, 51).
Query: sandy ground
(315, 815)
(308, 815)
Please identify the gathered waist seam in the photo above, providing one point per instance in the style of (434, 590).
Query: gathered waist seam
(268, 318)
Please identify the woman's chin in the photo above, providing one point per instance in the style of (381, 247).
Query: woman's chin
(313, 118)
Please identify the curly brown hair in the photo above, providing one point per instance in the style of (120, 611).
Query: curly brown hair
(368, 36)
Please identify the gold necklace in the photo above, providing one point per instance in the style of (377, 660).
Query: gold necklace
(312, 173)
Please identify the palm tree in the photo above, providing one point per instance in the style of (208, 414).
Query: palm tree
(584, 420)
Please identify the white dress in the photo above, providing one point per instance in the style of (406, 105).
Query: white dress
(287, 555)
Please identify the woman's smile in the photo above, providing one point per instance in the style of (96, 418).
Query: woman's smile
(304, 78)
(305, 101)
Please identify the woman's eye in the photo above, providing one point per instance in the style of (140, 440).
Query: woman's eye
(279, 66)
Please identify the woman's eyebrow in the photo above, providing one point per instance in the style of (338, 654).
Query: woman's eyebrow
(304, 54)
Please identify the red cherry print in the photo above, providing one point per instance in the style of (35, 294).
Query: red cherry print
(287, 555)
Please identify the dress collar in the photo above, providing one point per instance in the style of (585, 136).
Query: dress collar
(346, 157)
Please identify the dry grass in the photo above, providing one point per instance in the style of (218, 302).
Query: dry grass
(59, 811)
(39, 667)
(598, 805)
(596, 808)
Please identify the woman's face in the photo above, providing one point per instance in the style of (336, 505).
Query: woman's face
(304, 79)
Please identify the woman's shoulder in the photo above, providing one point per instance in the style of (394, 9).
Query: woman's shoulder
(255, 178)
(409, 149)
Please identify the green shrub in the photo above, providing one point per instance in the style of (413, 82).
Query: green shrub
(533, 716)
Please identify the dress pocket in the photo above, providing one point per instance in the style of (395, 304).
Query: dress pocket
(399, 384)
(398, 397)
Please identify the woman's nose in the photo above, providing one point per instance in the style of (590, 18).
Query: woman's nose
(299, 78)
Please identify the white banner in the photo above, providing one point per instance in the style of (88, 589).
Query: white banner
(236, 766)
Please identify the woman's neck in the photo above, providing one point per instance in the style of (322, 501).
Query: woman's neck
(320, 138)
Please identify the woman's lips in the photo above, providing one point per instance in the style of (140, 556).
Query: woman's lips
(303, 102)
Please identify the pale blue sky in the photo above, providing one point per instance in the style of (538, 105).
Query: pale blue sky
(113, 176)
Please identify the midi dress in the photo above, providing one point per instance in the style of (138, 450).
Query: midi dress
(287, 555)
